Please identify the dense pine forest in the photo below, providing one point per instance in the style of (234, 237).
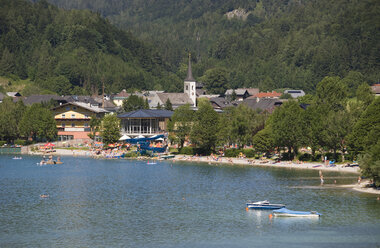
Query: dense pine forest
(270, 44)
(74, 52)
(139, 44)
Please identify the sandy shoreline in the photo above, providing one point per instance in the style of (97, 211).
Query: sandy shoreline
(268, 163)
(245, 161)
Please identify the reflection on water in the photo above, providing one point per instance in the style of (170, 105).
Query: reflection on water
(121, 203)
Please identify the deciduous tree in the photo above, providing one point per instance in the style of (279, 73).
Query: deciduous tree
(205, 130)
(110, 130)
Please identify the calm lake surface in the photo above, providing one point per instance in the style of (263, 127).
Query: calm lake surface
(122, 203)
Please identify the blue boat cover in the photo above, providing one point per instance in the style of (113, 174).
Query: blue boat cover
(287, 211)
(137, 140)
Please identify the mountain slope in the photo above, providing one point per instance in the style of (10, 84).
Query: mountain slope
(281, 43)
(76, 51)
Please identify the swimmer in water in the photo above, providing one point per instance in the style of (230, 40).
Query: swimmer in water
(44, 196)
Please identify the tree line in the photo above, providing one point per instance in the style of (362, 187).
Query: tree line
(333, 124)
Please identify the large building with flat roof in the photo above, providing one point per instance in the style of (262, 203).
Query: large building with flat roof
(144, 122)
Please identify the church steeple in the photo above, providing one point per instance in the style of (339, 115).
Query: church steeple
(189, 85)
(189, 72)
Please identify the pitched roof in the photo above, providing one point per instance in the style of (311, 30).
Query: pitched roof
(241, 91)
(107, 103)
(87, 106)
(29, 100)
(253, 91)
(175, 98)
(272, 94)
(121, 95)
(147, 113)
(220, 102)
(85, 99)
(200, 92)
(266, 104)
(189, 76)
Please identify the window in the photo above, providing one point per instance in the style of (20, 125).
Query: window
(67, 108)
(72, 115)
(187, 87)
(63, 116)
(72, 124)
(63, 125)
(74, 108)
(86, 116)
(86, 125)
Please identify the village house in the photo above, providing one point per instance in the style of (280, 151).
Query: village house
(263, 105)
(376, 89)
(73, 119)
(272, 95)
(30, 100)
(120, 97)
(241, 93)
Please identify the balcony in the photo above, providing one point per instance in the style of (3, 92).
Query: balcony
(74, 129)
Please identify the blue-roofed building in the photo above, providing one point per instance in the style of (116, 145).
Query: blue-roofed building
(144, 122)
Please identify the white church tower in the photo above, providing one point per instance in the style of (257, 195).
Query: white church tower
(190, 85)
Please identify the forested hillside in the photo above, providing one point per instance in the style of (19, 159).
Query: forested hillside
(273, 44)
(75, 51)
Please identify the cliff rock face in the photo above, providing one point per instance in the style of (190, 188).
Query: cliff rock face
(238, 13)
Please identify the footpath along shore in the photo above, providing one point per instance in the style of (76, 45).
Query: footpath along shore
(247, 162)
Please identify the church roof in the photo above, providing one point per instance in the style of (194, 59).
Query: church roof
(175, 98)
(189, 76)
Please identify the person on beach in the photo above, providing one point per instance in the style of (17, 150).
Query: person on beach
(359, 179)
(322, 181)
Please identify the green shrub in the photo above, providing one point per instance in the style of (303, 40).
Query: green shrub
(173, 150)
(304, 157)
(2, 143)
(249, 153)
(232, 153)
(21, 142)
(285, 156)
(187, 150)
(130, 155)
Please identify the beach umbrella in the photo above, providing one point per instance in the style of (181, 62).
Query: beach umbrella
(111, 145)
(160, 139)
(49, 144)
(124, 137)
(140, 136)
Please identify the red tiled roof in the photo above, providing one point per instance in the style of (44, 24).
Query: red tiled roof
(272, 94)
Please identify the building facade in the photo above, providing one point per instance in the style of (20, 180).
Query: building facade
(144, 122)
(73, 120)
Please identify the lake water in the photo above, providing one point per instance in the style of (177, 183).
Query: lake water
(122, 203)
